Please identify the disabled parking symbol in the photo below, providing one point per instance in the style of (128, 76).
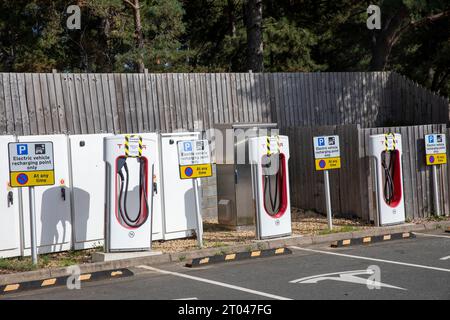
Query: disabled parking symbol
(22, 179)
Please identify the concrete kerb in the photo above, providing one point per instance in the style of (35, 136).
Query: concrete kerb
(178, 257)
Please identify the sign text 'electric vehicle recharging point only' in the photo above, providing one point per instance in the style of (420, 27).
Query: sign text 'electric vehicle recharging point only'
(386, 150)
(269, 156)
(130, 163)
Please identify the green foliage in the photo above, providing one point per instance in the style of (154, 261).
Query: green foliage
(210, 36)
(288, 47)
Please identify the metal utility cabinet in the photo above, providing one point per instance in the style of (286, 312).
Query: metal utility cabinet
(234, 180)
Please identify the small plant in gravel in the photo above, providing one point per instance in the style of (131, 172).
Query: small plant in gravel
(435, 218)
(338, 230)
(16, 265)
(181, 258)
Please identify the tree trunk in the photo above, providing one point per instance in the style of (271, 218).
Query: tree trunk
(231, 6)
(138, 32)
(253, 17)
(384, 40)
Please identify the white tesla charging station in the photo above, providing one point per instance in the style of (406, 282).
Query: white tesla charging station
(386, 150)
(130, 163)
(269, 156)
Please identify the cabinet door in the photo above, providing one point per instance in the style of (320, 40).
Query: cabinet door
(179, 199)
(53, 217)
(88, 189)
(9, 206)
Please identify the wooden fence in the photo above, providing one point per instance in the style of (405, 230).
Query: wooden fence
(46, 103)
(352, 190)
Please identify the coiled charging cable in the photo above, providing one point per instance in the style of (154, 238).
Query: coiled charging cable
(143, 213)
(274, 200)
(389, 171)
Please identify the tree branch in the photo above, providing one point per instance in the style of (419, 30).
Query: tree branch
(131, 4)
(415, 24)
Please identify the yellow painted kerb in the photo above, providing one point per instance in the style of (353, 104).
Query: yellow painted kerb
(204, 260)
(256, 253)
(48, 282)
(11, 287)
(367, 239)
(230, 256)
(85, 277)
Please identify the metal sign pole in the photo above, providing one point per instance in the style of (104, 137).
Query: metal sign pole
(437, 206)
(34, 257)
(199, 215)
(328, 199)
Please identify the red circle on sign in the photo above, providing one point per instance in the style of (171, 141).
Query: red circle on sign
(22, 179)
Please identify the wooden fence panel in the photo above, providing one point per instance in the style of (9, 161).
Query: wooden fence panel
(91, 103)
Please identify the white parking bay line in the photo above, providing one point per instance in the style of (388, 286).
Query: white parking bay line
(431, 235)
(372, 259)
(445, 258)
(217, 283)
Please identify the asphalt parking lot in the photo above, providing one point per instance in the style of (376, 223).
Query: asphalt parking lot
(416, 268)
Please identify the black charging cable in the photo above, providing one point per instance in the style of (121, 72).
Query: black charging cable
(273, 198)
(389, 171)
(123, 194)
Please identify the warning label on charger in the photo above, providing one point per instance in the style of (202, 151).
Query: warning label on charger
(31, 164)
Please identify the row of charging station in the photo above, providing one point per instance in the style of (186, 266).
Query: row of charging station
(142, 181)
(71, 213)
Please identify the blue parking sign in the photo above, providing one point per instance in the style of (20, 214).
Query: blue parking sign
(22, 149)
(187, 146)
(321, 141)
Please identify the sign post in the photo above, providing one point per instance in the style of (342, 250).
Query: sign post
(195, 162)
(34, 258)
(327, 157)
(31, 164)
(436, 154)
